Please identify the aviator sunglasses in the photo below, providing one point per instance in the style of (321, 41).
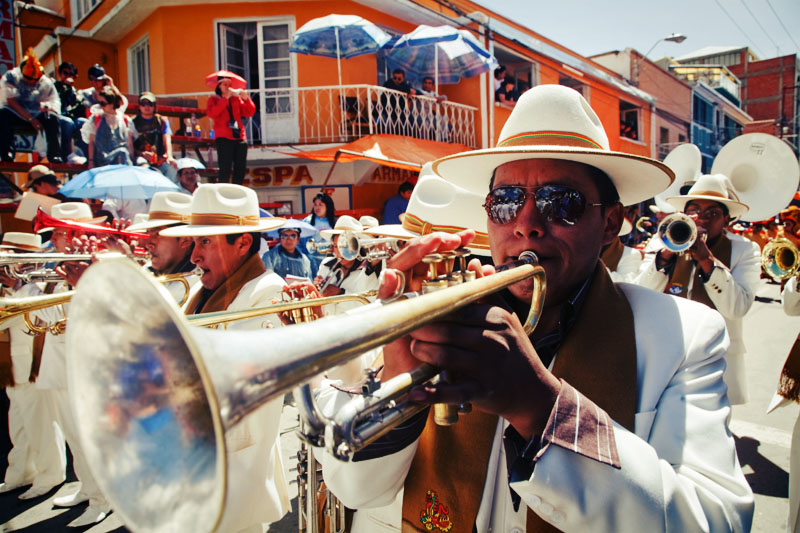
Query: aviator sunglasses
(557, 203)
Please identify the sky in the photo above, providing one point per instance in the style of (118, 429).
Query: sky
(591, 27)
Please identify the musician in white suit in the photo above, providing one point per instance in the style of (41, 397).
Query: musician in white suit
(225, 225)
(721, 269)
(37, 455)
(596, 422)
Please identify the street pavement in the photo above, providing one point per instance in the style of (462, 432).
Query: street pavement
(762, 440)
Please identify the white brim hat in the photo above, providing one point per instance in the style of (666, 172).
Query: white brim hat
(439, 205)
(26, 242)
(713, 187)
(74, 212)
(224, 209)
(344, 223)
(556, 122)
(626, 228)
(167, 208)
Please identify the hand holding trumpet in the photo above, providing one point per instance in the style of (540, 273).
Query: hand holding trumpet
(491, 360)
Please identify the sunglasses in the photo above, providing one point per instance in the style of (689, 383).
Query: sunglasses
(289, 236)
(146, 103)
(712, 213)
(557, 203)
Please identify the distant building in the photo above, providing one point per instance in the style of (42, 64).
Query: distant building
(673, 97)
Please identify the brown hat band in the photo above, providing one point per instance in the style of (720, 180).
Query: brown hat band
(549, 138)
(716, 194)
(167, 215)
(417, 225)
(214, 219)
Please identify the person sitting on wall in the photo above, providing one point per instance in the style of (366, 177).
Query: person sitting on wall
(29, 99)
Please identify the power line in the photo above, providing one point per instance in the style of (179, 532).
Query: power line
(737, 25)
(760, 26)
(782, 26)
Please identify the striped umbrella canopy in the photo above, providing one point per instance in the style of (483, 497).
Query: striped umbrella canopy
(338, 36)
(441, 52)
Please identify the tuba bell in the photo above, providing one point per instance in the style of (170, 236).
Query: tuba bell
(162, 394)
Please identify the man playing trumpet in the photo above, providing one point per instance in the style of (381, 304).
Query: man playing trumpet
(596, 422)
(721, 270)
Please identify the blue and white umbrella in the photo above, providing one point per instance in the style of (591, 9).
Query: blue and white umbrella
(338, 36)
(304, 229)
(118, 181)
(441, 52)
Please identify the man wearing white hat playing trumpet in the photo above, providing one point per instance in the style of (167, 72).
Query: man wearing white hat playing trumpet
(37, 455)
(721, 270)
(169, 255)
(225, 225)
(53, 377)
(597, 421)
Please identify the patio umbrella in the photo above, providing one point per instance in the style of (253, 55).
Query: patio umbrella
(118, 181)
(303, 228)
(338, 36)
(442, 52)
(237, 82)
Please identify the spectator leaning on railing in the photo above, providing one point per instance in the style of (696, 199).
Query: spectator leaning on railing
(108, 132)
(28, 97)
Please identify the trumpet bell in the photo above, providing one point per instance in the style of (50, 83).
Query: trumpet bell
(150, 429)
(678, 232)
(780, 259)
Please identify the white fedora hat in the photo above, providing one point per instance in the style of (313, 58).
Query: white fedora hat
(439, 205)
(224, 209)
(714, 187)
(344, 223)
(556, 122)
(27, 242)
(167, 208)
(74, 211)
(368, 222)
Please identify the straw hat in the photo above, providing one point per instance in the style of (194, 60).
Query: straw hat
(36, 172)
(345, 223)
(74, 211)
(715, 187)
(223, 209)
(556, 122)
(26, 242)
(167, 208)
(439, 205)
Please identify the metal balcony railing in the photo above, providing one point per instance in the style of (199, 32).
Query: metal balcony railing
(334, 114)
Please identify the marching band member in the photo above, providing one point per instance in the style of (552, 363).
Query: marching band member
(723, 272)
(623, 262)
(338, 275)
(37, 455)
(53, 378)
(225, 225)
(788, 392)
(597, 422)
(169, 255)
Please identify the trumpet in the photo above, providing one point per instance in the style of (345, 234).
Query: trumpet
(153, 363)
(13, 262)
(780, 258)
(678, 232)
(352, 246)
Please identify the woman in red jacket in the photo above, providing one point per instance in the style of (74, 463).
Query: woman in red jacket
(227, 108)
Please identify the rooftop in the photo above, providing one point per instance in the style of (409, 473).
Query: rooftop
(709, 51)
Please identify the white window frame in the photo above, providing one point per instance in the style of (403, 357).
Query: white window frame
(637, 110)
(80, 9)
(135, 84)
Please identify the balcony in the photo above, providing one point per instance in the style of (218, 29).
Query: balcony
(334, 114)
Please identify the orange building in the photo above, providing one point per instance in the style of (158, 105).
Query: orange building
(169, 46)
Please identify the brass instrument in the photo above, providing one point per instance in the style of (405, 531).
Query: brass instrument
(678, 232)
(12, 263)
(353, 246)
(147, 364)
(780, 258)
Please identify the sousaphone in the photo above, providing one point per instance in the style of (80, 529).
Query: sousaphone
(687, 163)
(764, 171)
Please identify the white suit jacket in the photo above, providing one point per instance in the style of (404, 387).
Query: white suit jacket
(257, 491)
(679, 467)
(53, 368)
(21, 343)
(732, 290)
(629, 264)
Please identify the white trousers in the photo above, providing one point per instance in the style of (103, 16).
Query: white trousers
(66, 420)
(37, 455)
